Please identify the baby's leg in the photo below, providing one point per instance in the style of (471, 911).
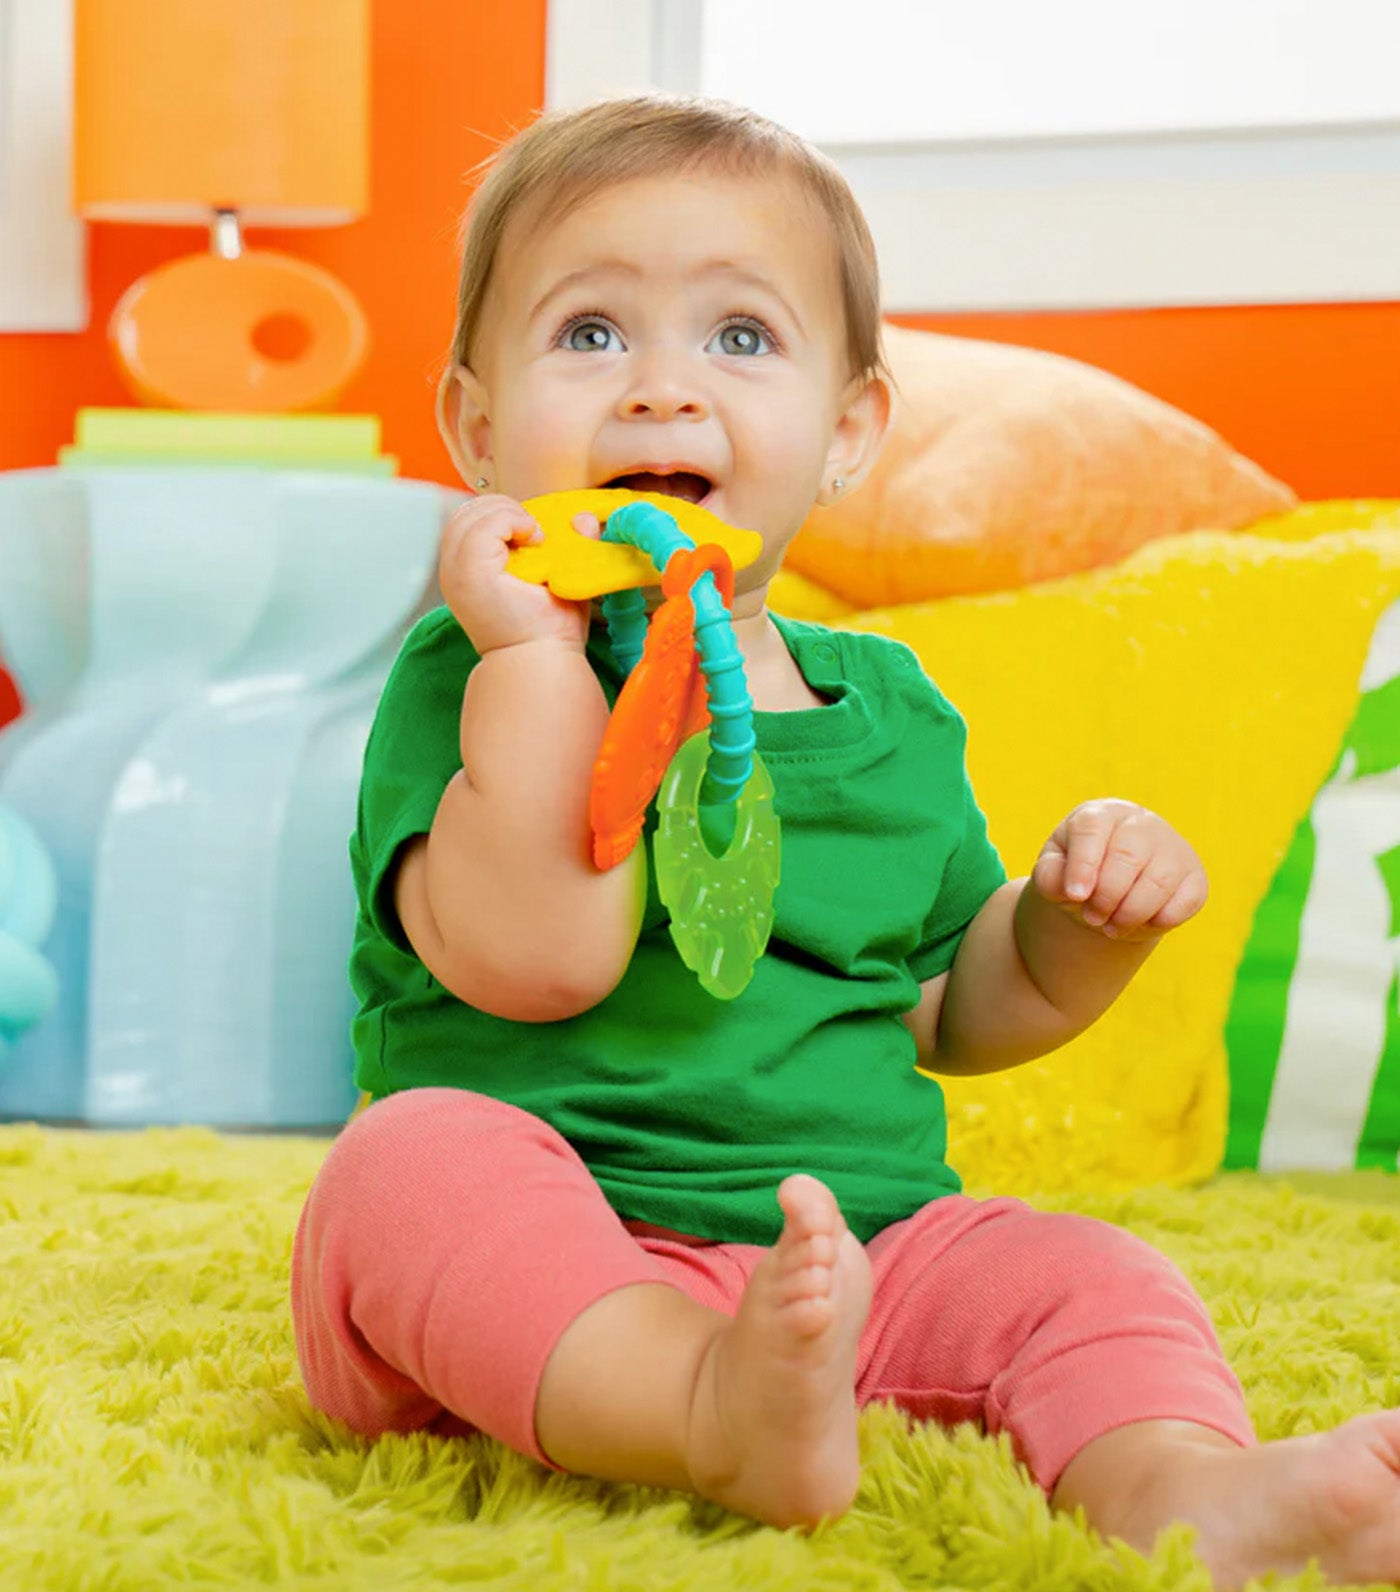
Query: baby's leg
(447, 1242)
(1093, 1351)
(1131, 1341)
(455, 1259)
(1052, 1328)
(1331, 1497)
(757, 1412)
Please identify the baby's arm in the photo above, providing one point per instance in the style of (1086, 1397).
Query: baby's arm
(501, 900)
(1048, 955)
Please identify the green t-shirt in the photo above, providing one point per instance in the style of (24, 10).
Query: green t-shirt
(690, 1110)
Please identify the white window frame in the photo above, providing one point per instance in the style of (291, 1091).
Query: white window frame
(1102, 222)
(43, 267)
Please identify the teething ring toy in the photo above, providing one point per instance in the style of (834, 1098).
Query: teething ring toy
(683, 720)
(687, 565)
(576, 567)
(661, 703)
(721, 907)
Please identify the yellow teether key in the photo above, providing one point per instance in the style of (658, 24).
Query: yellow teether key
(576, 567)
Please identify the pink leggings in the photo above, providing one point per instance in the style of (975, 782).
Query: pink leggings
(449, 1240)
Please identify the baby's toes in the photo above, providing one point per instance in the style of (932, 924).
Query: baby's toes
(805, 1282)
(816, 1249)
(807, 1315)
(809, 1209)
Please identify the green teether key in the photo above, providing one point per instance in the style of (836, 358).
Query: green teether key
(721, 907)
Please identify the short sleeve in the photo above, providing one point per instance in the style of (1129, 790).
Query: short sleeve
(972, 873)
(413, 753)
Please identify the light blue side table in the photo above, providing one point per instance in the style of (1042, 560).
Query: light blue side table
(201, 650)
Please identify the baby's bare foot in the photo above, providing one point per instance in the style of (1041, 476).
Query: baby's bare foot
(1333, 1497)
(773, 1419)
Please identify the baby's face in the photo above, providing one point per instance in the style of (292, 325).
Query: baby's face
(682, 334)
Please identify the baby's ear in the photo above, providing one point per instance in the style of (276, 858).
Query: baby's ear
(860, 429)
(463, 423)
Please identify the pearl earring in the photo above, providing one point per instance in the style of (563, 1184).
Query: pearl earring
(838, 486)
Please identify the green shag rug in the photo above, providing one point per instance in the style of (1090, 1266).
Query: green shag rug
(154, 1431)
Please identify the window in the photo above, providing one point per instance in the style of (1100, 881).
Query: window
(1090, 153)
(42, 286)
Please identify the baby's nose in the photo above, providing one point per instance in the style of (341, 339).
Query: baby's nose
(663, 389)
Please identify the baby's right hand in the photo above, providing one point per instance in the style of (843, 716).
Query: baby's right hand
(494, 607)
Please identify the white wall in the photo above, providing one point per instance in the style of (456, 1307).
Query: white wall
(1020, 154)
(955, 70)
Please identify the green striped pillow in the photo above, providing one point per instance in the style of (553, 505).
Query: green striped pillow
(1313, 1033)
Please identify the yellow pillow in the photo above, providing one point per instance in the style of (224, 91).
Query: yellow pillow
(1006, 466)
(1210, 677)
(795, 595)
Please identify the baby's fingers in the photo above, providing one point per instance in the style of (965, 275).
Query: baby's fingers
(1148, 895)
(485, 529)
(1048, 875)
(1085, 835)
(1185, 902)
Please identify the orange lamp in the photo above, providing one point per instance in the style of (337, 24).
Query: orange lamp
(227, 113)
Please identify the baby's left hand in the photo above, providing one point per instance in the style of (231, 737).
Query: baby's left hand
(1121, 870)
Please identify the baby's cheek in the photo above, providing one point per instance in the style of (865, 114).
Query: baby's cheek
(546, 452)
(787, 461)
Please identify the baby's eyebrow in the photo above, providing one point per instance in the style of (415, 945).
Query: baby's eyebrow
(580, 274)
(750, 277)
(737, 271)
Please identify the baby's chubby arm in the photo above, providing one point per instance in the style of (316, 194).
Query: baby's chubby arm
(501, 900)
(1049, 954)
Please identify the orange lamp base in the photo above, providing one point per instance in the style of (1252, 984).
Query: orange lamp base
(263, 331)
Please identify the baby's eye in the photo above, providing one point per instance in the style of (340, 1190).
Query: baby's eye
(741, 337)
(589, 335)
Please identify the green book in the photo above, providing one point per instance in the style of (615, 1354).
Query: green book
(385, 464)
(168, 436)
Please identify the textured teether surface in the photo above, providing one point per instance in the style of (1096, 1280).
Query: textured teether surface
(721, 907)
(662, 701)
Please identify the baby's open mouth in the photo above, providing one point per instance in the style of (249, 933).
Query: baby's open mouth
(684, 484)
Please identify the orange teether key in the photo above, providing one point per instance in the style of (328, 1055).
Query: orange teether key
(661, 703)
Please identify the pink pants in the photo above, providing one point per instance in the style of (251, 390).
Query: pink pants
(449, 1240)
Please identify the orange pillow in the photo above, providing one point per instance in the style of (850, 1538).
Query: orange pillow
(1006, 466)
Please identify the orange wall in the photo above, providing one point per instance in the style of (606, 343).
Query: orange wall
(1312, 392)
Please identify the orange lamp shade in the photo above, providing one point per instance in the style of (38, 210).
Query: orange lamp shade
(186, 106)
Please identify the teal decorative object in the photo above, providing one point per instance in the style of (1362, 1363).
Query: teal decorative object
(200, 650)
(28, 899)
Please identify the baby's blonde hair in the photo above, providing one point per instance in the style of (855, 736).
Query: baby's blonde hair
(566, 157)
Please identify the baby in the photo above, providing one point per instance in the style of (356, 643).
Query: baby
(641, 1233)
